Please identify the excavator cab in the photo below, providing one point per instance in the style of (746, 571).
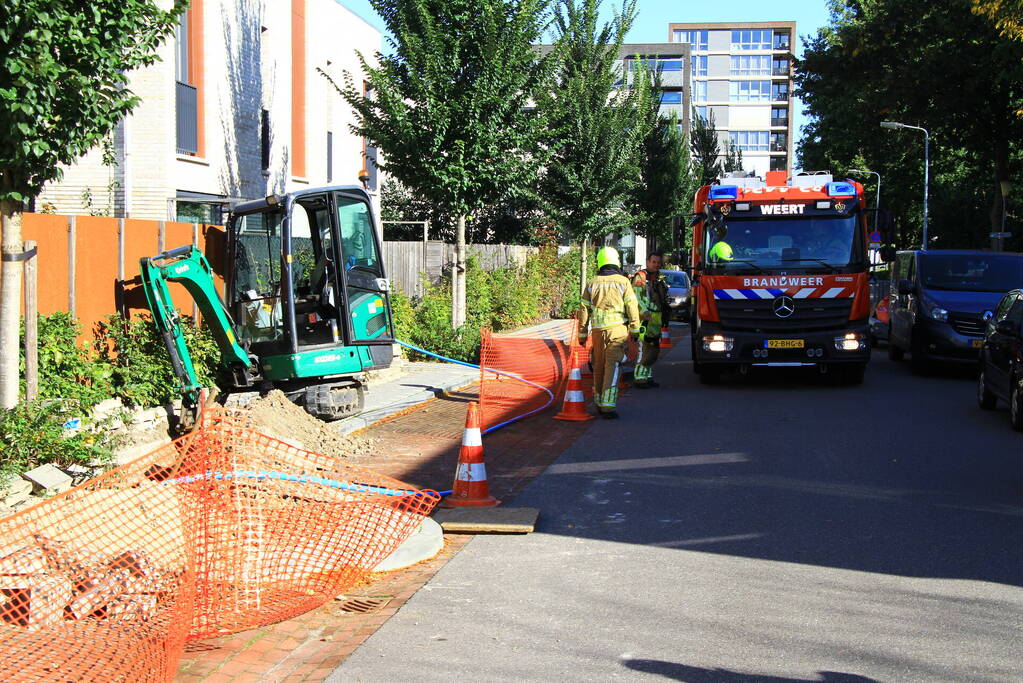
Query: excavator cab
(306, 305)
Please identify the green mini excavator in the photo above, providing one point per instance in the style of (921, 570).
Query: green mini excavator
(306, 310)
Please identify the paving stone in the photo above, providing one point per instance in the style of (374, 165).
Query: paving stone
(48, 480)
(17, 491)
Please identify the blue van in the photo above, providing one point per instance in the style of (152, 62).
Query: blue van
(941, 301)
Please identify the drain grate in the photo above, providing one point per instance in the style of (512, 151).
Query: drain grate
(362, 605)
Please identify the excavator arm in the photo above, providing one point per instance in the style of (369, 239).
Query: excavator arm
(188, 266)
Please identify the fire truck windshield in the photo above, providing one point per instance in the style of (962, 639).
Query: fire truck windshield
(812, 242)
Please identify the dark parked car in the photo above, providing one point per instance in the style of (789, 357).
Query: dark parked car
(1001, 359)
(940, 300)
(678, 293)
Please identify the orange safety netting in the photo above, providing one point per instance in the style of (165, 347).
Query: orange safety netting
(223, 530)
(540, 355)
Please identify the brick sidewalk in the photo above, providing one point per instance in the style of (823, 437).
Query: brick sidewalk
(420, 448)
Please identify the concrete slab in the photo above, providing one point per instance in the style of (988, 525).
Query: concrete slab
(424, 544)
(497, 520)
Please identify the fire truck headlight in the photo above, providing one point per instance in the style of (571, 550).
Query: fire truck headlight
(850, 342)
(718, 344)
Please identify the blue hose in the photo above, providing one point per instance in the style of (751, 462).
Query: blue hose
(550, 394)
(332, 483)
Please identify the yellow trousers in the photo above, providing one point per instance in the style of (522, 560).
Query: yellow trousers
(609, 346)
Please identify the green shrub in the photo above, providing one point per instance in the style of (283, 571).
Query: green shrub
(33, 434)
(66, 369)
(142, 373)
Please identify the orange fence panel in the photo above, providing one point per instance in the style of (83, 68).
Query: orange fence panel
(539, 355)
(223, 530)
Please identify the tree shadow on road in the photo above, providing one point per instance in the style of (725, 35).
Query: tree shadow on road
(694, 674)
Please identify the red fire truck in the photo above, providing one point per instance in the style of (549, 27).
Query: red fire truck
(779, 276)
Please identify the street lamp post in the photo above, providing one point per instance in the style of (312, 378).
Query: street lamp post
(893, 125)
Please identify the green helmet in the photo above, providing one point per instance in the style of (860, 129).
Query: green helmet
(608, 256)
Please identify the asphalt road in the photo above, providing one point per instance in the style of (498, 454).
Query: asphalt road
(774, 528)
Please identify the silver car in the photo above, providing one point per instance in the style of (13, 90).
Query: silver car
(678, 293)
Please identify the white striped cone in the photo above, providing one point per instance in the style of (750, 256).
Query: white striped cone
(666, 338)
(574, 408)
(471, 488)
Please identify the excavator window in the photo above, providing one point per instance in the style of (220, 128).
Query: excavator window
(257, 278)
(314, 273)
(366, 297)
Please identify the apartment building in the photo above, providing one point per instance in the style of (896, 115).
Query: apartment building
(236, 108)
(742, 73)
(673, 61)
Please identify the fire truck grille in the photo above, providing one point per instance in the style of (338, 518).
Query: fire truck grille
(809, 314)
(969, 324)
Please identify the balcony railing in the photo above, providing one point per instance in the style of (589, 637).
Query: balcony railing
(779, 147)
(187, 109)
(780, 121)
(780, 71)
(779, 95)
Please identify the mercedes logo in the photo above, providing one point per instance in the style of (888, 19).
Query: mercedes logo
(988, 315)
(784, 306)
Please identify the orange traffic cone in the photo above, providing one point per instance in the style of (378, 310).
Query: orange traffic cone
(470, 488)
(574, 408)
(666, 338)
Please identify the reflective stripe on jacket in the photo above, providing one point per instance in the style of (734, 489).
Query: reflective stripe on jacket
(609, 300)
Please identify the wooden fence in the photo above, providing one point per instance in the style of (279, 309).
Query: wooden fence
(89, 265)
(410, 265)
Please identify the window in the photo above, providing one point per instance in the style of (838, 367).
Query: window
(1015, 314)
(653, 63)
(752, 40)
(751, 65)
(700, 66)
(779, 142)
(701, 112)
(749, 91)
(779, 91)
(367, 304)
(780, 67)
(781, 41)
(671, 97)
(779, 116)
(697, 39)
(330, 156)
(700, 91)
(257, 277)
(181, 42)
(750, 140)
(779, 163)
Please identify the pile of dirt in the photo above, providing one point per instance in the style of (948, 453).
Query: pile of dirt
(276, 416)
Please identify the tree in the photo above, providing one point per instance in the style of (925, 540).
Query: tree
(887, 60)
(706, 149)
(668, 184)
(510, 221)
(733, 158)
(449, 106)
(1006, 14)
(599, 123)
(63, 88)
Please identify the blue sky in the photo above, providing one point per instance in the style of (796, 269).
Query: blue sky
(654, 16)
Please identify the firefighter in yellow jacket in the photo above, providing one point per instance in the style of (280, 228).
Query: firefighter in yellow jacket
(652, 292)
(610, 308)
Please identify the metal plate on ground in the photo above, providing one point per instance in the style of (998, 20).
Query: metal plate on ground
(495, 520)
